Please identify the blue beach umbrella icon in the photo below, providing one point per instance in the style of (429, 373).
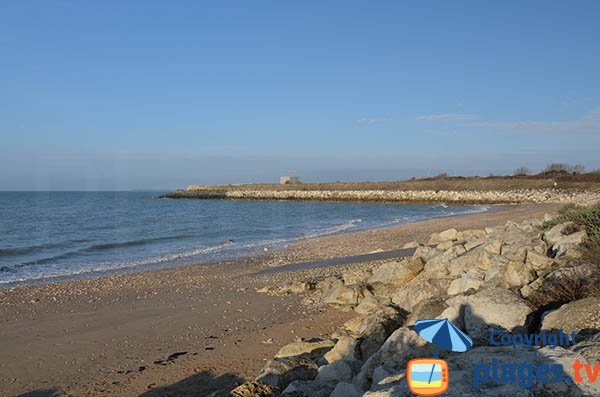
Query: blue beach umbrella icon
(443, 334)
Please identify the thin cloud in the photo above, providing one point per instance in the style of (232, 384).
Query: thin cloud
(586, 125)
(373, 120)
(447, 117)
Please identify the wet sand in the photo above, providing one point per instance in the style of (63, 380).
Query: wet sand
(188, 330)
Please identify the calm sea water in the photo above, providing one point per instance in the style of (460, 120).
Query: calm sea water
(50, 235)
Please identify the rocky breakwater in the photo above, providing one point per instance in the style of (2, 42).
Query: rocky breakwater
(449, 196)
(514, 278)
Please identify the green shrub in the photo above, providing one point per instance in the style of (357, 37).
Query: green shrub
(585, 217)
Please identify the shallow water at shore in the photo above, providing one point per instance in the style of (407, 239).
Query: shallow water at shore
(46, 235)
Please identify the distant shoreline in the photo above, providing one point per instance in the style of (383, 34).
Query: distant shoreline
(561, 189)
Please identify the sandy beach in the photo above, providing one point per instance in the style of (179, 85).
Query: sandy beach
(184, 331)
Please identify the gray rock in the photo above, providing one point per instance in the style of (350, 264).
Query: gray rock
(470, 280)
(486, 309)
(568, 245)
(280, 372)
(303, 388)
(372, 304)
(346, 348)
(557, 232)
(538, 262)
(581, 316)
(344, 389)
(338, 371)
(424, 286)
(427, 308)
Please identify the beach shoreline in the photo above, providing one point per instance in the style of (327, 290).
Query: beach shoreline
(194, 328)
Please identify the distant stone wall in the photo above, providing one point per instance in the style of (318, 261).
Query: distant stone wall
(510, 196)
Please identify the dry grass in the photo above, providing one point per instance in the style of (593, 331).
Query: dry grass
(589, 181)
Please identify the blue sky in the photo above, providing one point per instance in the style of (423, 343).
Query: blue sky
(148, 94)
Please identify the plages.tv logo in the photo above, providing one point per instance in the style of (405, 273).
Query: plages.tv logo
(429, 376)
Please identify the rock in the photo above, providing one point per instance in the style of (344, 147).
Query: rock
(401, 346)
(471, 234)
(376, 329)
(424, 286)
(427, 308)
(478, 258)
(493, 247)
(424, 252)
(344, 389)
(346, 348)
(567, 246)
(581, 316)
(301, 388)
(280, 372)
(464, 368)
(557, 232)
(312, 348)
(299, 287)
(445, 245)
(411, 244)
(356, 276)
(539, 263)
(327, 284)
(475, 243)
(511, 274)
(558, 286)
(372, 304)
(397, 273)
(589, 348)
(344, 295)
(515, 252)
(439, 264)
(252, 389)
(470, 280)
(446, 235)
(338, 371)
(493, 308)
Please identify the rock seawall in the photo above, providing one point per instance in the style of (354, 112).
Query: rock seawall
(447, 196)
(515, 278)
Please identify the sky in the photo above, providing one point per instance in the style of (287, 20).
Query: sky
(102, 95)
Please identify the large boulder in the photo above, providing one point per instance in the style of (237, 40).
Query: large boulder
(487, 309)
(581, 316)
(470, 280)
(427, 308)
(344, 389)
(471, 374)
(557, 232)
(344, 295)
(401, 346)
(303, 388)
(539, 263)
(438, 265)
(424, 286)
(312, 348)
(346, 349)
(280, 372)
(568, 245)
(337, 371)
(397, 273)
(446, 235)
(372, 304)
(511, 274)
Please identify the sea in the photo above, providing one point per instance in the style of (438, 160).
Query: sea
(49, 236)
